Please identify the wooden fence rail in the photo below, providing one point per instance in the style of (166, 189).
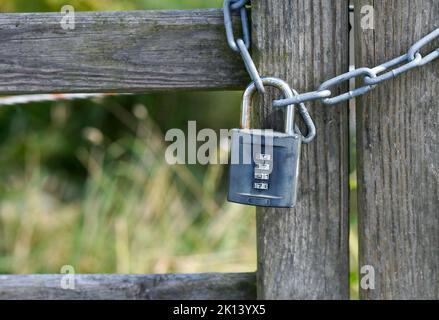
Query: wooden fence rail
(213, 286)
(303, 252)
(134, 51)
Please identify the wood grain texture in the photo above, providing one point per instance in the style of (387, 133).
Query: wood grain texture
(398, 156)
(135, 51)
(213, 286)
(303, 252)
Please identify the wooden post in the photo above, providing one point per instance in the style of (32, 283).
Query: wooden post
(398, 156)
(303, 253)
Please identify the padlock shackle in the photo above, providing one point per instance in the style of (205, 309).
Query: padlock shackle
(246, 107)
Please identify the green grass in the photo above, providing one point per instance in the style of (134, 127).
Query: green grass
(137, 214)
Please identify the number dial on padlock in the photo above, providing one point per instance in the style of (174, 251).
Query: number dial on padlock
(264, 165)
(272, 184)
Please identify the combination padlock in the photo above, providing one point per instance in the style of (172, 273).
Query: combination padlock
(264, 165)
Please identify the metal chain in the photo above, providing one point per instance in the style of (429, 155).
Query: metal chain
(371, 76)
(243, 45)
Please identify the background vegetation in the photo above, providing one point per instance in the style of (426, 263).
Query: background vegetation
(85, 183)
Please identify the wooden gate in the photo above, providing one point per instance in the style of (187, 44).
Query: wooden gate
(302, 253)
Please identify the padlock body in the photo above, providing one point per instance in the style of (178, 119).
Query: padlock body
(264, 168)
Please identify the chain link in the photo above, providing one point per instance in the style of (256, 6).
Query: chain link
(395, 72)
(229, 24)
(346, 77)
(306, 117)
(371, 77)
(414, 49)
(238, 4)
(241, 45)
(250, 66)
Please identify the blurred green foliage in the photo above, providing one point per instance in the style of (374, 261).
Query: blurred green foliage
(105, 5)
(85, 183)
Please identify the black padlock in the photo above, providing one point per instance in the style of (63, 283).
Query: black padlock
(264, 166)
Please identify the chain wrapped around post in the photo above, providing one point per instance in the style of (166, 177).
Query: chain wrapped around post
(243, 45)
(371, 77)
(273, 182)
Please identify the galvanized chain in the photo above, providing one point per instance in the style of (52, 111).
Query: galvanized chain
(371, 76)
(242, 46)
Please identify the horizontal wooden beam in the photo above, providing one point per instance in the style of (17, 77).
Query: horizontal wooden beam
(206, 286)
(130, 51)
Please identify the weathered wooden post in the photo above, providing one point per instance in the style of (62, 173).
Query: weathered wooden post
(303, 253)
(398, 156)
